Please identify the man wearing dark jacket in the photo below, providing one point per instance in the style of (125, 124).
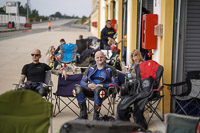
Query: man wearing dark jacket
(107, 34)
(95, 78)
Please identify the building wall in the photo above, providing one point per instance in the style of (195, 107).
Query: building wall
(163, 53)
(4, 19)
(131, 28)
(102, 15)
(94, 17)
(166, 42)
(157, 10)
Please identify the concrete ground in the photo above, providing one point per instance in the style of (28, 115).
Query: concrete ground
(15, 52)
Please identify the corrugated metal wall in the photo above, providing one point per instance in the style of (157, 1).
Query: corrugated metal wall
(192, 40)
(150, 6)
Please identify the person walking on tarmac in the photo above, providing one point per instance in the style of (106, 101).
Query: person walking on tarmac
(107, 34)
(49, 26)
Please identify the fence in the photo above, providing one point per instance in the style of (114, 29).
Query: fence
(4, 19)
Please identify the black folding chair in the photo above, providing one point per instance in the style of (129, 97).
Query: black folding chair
(64, 90)
(48, 83)
(142, 92)
(153, 103)
(186, 95)
(111, 106)
(157, 95)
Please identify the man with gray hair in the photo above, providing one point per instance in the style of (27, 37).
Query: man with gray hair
(95, 79)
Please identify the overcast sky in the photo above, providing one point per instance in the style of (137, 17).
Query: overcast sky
(69, 7)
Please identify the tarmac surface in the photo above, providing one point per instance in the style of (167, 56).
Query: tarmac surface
(16, 47)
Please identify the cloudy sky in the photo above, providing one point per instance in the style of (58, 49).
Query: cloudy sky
(69, 7)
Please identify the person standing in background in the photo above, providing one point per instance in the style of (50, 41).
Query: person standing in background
(49, 26)
(107, 34)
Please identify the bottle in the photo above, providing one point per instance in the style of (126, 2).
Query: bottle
(130, 77)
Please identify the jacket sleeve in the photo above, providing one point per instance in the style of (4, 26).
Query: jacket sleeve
(114, 33)
(84, 80)
(103, 35)
(56, 51)
(114, 78)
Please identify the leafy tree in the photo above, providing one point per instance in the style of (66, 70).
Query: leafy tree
(84, 19)
(58, 15)
(22, 10)
(2, 10)
(34, 14)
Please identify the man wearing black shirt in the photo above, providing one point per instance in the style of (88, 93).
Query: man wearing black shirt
(107, 34)
(35, 71)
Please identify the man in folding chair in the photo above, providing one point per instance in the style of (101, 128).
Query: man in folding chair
(35, 73)
(95, 84)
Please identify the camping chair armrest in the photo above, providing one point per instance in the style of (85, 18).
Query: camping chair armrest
(16, 86)
(66, 62)
(111, 90)
(117, 88)
(159, 89)
(174, 85)
(114, 85)
(49, 85)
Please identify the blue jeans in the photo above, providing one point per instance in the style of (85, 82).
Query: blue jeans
(106, 47)
(91, 94)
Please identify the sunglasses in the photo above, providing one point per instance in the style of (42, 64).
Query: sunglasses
(134, 55)
(35, 55)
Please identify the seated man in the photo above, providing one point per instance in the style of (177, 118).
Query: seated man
(92, 47)
(68, 51)
(35, 72)
(95, 78)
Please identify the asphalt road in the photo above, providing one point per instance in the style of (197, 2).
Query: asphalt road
(59, 25)
(16, 48)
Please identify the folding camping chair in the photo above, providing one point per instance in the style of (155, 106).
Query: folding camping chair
(24, 111)
(176, 123)
(143, 93)
(68, 57)
(156, 71)
(49, 83)
(64, 90)
(111, 107)
(81, 44)
(186, 95)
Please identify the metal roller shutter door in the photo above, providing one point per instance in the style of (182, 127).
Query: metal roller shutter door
(192, 40)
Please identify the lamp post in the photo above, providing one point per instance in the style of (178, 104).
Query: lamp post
(28, 1)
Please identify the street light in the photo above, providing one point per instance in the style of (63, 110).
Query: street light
(28, 1)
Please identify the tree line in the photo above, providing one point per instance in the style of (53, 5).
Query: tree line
(34, 14)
